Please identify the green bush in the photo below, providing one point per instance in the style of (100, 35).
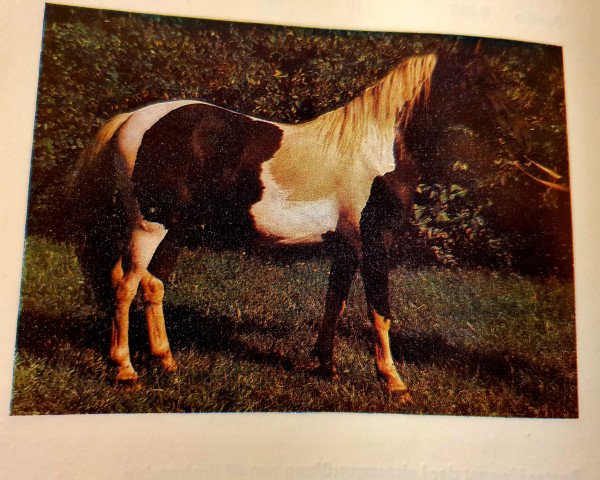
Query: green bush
(475, 207)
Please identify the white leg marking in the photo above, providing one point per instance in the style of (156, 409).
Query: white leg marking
(144, 240)
(154, 292)
(384, 360)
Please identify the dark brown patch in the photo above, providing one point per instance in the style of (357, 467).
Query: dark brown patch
(198, 172)
(164, 259)
(343, 268)
(388, 206)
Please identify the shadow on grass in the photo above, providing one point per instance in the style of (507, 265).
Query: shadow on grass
(541, 384)
(206, 333)
(41, 335)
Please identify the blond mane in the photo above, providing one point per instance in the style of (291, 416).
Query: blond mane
(388, 102)
(331, 154)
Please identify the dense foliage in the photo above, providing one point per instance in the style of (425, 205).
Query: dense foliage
(475, 207)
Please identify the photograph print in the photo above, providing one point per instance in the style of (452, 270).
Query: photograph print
(235, 217)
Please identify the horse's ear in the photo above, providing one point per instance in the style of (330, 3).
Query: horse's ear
(262, 141)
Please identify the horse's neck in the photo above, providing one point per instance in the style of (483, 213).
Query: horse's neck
(316, 161)
(339, 154)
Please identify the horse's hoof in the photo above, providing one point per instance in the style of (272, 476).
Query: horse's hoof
(402, 397)
(170, 367)
(322, 367)
(169, 364)
(326, 373)
(126, 376)
(130, 386)
(130, 383)
(324, 370)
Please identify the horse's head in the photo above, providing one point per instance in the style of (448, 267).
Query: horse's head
(468, 109)
(467, 91)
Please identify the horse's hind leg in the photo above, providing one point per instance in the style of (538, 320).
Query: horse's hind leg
(154, 292)
(145, 238)
(159, 271)
(125, 287)
(343, 269)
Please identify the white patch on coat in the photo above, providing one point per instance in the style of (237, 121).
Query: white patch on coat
(290, 222)
(316, 178)
(145, 239)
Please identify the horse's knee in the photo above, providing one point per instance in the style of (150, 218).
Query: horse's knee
(375, 275)
(154, 290)
(126, 289)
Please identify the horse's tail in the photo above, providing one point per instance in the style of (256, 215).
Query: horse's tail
(103, 209)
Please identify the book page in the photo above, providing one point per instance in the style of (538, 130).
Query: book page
(313, 445)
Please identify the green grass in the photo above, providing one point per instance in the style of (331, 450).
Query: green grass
(241, 327)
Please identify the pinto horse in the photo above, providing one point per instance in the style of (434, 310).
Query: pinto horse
(156, 177)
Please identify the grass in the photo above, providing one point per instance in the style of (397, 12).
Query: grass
(241, 327)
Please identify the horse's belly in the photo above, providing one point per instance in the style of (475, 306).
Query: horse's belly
(291, 222)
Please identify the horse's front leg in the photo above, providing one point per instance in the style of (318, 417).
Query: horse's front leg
(343, 269)
(374, 270)
(375, 278)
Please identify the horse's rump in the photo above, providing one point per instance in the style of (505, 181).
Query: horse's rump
(200, 165)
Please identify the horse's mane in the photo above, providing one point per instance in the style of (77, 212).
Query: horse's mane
(383, 105)
(332, 152)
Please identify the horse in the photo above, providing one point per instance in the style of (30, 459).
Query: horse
(156, 178)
